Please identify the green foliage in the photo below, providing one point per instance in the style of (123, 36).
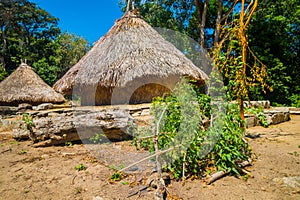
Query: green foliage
(31, 33)
(99, 138)
(295, 100)
(3, 74)
(28, 121)
(80, 167)
(45, 70)
(222, 151)
(26, 32)
(263, 119)
(274, 37)
(117, 176)
(230, 147)
(259, 112)
(71, 49)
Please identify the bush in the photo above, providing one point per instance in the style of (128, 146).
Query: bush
(295, 100)
(3, 74)
(189, 148)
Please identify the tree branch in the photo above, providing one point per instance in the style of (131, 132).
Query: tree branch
(229, 11)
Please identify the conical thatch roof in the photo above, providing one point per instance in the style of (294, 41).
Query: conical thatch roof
(131, 54)
(25, 86)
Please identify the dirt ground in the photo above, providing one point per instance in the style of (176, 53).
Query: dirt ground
(49, 173)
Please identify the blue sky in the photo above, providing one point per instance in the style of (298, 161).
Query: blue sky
(90, 19)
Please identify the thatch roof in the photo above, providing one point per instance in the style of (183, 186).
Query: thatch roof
(131, 53)
(25, 86)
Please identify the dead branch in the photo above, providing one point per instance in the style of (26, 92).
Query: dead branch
(6, 150)
(215, 177)
(229, 11)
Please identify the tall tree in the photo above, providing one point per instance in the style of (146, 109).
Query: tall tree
(71, 49)
(201, 8)
(25, 29)
(274, 36)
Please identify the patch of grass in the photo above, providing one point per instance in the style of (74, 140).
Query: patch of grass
(117, 176)
(125, 183)
(14, 142)
(299, 146)
(80, 167)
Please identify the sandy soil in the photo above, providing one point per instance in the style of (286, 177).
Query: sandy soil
(49, 173)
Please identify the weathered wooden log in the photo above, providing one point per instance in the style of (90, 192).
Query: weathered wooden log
(77, 125)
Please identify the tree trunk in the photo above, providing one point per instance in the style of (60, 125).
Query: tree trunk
(218, 23)
(2, 60)
(202, 26)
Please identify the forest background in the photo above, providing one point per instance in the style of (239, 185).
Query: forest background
(272, 40)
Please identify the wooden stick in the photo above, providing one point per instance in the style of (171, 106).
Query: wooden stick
(151, 156)
(156, 133)
(216, 176)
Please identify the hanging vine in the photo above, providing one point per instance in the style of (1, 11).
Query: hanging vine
(231, 53)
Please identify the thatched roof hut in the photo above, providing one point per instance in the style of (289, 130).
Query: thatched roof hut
(132, 63)
(25, 86)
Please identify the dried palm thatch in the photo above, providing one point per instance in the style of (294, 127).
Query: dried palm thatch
(131, 61)
(25, 86)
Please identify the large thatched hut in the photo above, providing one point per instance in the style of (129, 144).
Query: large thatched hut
(132, 63)
(25, 86)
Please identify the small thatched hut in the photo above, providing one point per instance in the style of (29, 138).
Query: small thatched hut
(132, 63)
(25, 86)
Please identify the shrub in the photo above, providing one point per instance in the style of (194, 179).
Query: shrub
(189, 148)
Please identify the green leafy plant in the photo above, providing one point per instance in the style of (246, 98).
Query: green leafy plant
(99, 138)
(259, 112)
(80, 167)
(28, 122)
(227, 151)
(263, 119)
(117, 176)
(3, 73)
(295, 100)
